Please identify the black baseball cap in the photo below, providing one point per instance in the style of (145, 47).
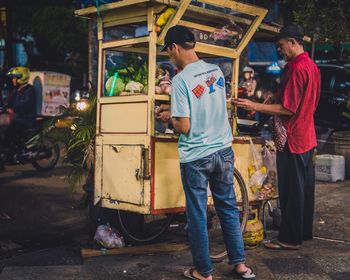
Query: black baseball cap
(177, 34)
(291, 31)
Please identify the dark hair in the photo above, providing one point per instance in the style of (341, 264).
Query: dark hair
(185, 45)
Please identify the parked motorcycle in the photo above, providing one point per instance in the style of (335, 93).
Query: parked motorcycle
(42, 153)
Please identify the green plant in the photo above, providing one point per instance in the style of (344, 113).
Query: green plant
(135, 69)
(77, 138)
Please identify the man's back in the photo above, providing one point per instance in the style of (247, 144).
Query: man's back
(198, 92)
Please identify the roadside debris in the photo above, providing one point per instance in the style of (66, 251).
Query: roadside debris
(109, 237)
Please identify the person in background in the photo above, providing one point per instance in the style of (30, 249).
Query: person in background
(21, 105)
(295, 138)
(199, 114)
(246, 89)
(248, 83)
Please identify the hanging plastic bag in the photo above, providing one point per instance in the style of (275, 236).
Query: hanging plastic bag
(256, 171)
(269, 188)
(108, 237)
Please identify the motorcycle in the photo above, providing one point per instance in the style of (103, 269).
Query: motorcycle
(42, 152)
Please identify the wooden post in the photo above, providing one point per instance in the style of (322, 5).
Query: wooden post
(174, 19)
(249, 34)
(234, 85)
(152, 64)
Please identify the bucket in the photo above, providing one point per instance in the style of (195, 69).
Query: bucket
(341, 141)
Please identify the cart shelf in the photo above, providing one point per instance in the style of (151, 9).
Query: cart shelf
(162, 97)
(166, 136)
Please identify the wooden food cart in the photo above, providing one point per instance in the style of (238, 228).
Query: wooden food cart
(136, 167)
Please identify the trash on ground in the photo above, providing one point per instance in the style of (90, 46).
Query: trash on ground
(109, 237)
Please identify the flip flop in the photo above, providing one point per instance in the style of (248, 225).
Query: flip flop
(189, 274)
(276, 245)
(249, 274)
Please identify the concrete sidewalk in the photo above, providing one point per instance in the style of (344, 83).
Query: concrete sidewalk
(317, 260)
(326, 258)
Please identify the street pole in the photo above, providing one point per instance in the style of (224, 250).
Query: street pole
(92, 53)
(9, 36)
(313, 42)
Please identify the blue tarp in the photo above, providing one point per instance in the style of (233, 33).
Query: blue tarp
(80, 4)
(262, 52)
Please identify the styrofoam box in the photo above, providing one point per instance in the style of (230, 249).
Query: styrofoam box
(330, 168)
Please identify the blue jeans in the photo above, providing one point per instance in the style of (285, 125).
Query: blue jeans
(217, 170)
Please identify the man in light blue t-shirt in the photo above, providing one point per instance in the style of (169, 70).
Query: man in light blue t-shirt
(199, 114)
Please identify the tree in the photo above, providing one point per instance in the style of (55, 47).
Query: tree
(327, 20)
(59, 39)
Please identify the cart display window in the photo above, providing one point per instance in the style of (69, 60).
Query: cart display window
(127, 31)
(125, 71)
(217, 26)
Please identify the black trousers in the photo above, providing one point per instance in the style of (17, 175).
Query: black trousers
(296, 185)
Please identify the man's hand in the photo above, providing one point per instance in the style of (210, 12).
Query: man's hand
(263, 108)
(163, 113)
(243, 103)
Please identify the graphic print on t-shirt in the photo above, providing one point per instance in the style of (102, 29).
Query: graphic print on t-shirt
(198, 90)
(221, 82)
(210, 130)
(210, 81)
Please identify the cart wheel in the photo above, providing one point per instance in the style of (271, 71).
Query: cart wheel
(216, 241)
(140, 228)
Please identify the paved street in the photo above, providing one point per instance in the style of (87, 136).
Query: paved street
(47, 230)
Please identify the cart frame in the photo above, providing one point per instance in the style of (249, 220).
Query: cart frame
(146, 160)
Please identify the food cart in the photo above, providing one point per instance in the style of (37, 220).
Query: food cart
(137, 166)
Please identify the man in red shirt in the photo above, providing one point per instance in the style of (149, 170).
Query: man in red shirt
(295, 138)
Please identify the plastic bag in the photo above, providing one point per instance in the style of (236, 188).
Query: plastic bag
(257, 171)
(108, 237)
(269, 187)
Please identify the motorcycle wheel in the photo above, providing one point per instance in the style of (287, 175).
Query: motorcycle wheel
(50, 162)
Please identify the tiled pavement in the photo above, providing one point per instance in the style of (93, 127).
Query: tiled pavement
(317, 260)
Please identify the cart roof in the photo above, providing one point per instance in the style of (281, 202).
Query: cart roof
(265, 31)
